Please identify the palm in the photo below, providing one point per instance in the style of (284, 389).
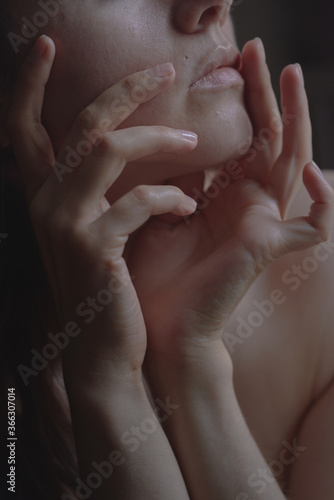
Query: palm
(190, 276)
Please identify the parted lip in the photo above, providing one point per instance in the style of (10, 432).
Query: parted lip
(219, 57)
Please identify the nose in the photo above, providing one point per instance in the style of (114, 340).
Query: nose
(193, 16)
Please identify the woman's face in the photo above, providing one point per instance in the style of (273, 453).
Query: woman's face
(98, 42)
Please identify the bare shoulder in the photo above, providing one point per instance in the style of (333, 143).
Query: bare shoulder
(308, 280)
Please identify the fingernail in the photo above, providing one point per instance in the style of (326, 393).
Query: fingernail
(38, 49)
(300, 71)
(188, 136)
(317, 169)
(260, 45)
(162, 70)
(190, 204)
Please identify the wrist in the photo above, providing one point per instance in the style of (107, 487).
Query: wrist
(195, 370)
(96, 388)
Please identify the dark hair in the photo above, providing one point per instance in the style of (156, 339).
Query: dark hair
(7, 59)
(45, 458)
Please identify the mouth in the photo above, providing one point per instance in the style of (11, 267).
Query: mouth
(222, 71)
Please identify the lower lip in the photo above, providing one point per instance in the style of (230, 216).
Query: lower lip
(220, 78)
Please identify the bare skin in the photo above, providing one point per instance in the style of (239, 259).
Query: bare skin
(199, 277)
(288, 364)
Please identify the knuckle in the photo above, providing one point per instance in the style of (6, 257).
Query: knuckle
(180, 193)
(128, 83)
(164, 132)
(59, 223)
(109, 145)
(55, 226)
(67, 235)
(142, 194)
(177, 193)
(86, 118)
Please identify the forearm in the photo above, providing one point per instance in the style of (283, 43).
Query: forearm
(121, 447)
(215, 449)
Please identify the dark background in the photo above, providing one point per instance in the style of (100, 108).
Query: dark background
(298, 31)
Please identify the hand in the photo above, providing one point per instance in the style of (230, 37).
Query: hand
(190, 276)
(80, 235)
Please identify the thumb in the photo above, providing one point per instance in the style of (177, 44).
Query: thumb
(305, 232)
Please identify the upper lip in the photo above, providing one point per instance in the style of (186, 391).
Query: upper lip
(220, 57)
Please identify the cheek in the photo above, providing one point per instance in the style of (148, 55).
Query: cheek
(223, 134)
(83, 69)
(221, 122)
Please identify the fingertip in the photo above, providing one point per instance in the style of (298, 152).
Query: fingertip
(247, 46)
(254, 65)
(316, 168)
(316, 184)
(28, 93)
(189, 140)
(191, 204)
(161, 70)
(160, 77)
(310, 169)
(260, 47)
(254, 47)
(50, 46)
(299, 72)
(187, 207)
(292, 75)
(44, 46)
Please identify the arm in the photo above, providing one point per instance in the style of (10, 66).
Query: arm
(312, 473)
(81, 239)
(209, 435)
(122, 450)
(246, 229)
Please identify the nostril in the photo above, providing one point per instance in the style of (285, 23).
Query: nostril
(210, 16)
(194, 17)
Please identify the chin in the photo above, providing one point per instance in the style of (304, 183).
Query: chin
(222, 137)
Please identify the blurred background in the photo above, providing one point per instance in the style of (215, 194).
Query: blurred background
(298, 31)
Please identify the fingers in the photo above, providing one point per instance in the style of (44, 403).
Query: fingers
(263, 109)
(29, 90)
(101, 117)
(116, 104)
(303, 232)
(321, 213)
(32, 146)
(297, 136)
(286, 175)
(31, 143)
(132, 210)
(106, 162)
